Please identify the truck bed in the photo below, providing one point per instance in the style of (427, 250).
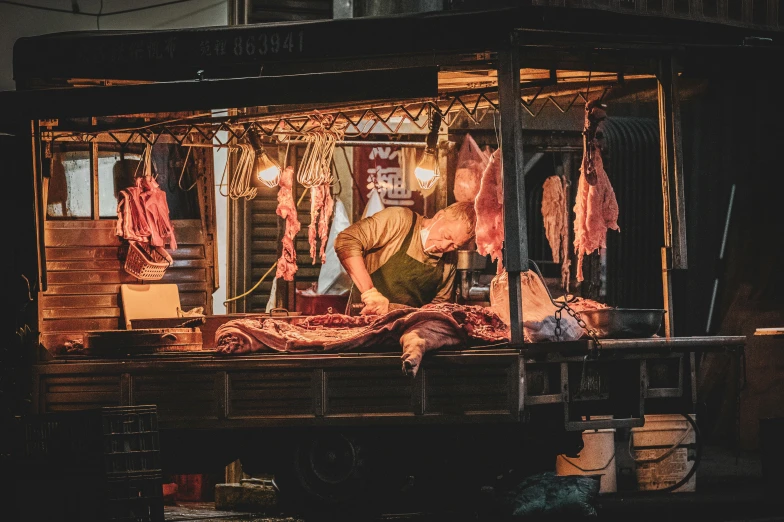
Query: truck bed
(206, 391)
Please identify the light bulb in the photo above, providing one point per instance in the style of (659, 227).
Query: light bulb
(269, 171)
(425, 172)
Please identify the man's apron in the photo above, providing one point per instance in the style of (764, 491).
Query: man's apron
(404, 280)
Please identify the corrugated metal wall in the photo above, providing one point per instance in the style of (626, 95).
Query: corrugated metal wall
(633, 164)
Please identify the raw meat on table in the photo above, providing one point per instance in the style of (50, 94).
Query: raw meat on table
(287, 209)
(417, 330)
(579, 304)
(596, 208)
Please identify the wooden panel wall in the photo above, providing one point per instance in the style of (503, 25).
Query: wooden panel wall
(85, 272)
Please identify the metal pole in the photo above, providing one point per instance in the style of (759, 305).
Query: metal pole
(40, 204)
(674, 254)
(515, 227)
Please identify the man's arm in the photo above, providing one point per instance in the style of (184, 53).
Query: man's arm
(355, 266)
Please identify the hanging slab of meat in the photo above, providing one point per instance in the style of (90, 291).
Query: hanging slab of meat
(323, 227)
(416, 330)
(553, 201)
(555, 211)
(490, 211)
(143, 216)
(596, 208)
(321, 207)
(287, 209)
(131, 218)
(157, 212)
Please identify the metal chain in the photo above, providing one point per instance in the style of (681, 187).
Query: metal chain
(590, 331)
(560, 306)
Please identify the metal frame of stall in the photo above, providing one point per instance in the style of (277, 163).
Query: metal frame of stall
(516, 36)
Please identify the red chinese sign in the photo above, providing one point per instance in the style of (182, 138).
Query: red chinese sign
(383, 168)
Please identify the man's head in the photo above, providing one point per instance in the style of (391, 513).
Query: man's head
(451, 227)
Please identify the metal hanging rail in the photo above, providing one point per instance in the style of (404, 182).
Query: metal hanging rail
(360, 121)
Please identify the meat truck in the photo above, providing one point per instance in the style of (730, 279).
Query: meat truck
(327, 423)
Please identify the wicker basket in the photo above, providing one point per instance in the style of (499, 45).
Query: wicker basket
(144, 262)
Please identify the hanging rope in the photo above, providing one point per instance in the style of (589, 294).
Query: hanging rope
(316, 166)
(184, 166)
(268, 272)
(240, 184)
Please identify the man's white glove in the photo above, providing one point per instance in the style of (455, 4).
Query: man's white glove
(375, 303)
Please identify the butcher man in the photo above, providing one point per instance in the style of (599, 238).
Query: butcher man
(398, 256)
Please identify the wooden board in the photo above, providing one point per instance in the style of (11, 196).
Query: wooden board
(154, 301)
(85, 275)
(773, 332)
(137, 342)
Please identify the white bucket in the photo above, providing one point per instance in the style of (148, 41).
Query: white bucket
(596, 458)
(660, 453)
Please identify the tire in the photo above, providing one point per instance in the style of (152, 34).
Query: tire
(325, 471)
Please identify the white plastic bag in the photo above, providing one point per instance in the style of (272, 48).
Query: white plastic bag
(374, 204)
(471, 163)
(333, 278)
(538, 310)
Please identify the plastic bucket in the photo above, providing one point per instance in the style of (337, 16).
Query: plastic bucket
(660, 452)
(597, 458)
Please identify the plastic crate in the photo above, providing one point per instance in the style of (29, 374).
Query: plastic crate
(130, 439)
(109, 441)
(134, 498)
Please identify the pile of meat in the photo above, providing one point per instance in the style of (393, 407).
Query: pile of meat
(579, 304)
(555, 212)
(143, 216)
(321, 207)
(416, 330)
(489, 205)
(596, 209)
(287, 209)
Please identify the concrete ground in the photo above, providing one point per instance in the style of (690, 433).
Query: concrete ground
(728, 488)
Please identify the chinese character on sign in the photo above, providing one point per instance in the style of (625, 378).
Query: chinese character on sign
(220, 47)
(388, 177)
(381, 168)
(205, 48)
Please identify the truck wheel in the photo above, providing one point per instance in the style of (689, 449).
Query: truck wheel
(324, 470)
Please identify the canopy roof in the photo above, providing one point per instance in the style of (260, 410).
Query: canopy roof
(441, 38)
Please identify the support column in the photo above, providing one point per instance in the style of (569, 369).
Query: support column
(515, 227)
(674, 255)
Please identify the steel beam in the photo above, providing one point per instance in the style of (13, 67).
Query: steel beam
(674, 254)
(379, 84)
(515, 254)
